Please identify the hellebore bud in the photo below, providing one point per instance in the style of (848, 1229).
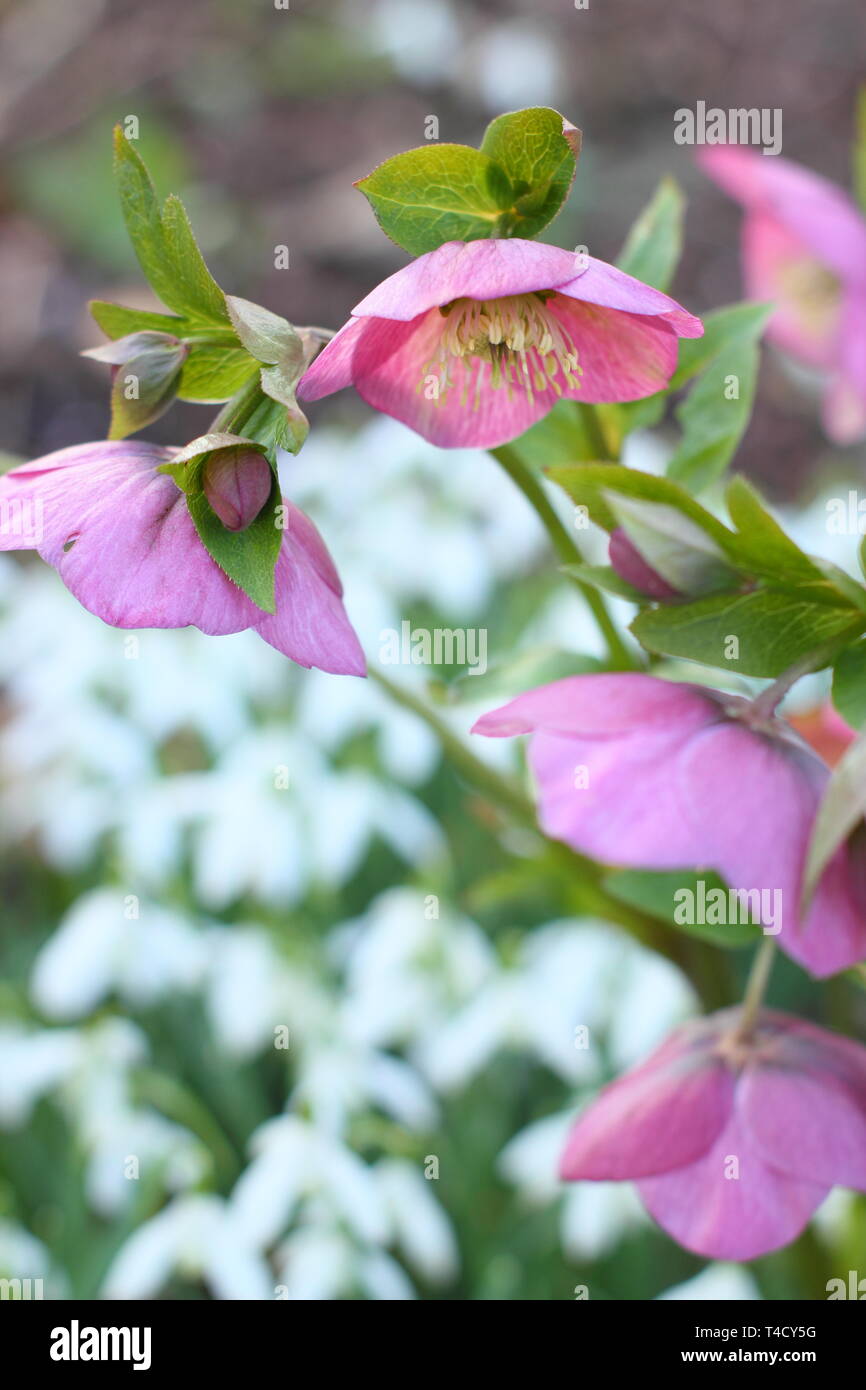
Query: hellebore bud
(237, 484)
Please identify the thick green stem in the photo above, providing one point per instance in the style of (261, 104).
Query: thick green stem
(566, 548)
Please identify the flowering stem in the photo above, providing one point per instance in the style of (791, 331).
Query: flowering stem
(765, 704)
(756, 986)
(566, 549)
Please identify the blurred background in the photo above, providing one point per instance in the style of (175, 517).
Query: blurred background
(286, 1010)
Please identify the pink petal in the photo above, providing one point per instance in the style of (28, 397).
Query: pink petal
(771, 256)
(609, 288)
(811, 1123)
(727, 1218)
(663, 1115)
(622, 356)
(310, 624)
(332, 370)
(600, 706)
(845, 403)
(821, 216)
(470, 270)
(121, 538)
(390, 365)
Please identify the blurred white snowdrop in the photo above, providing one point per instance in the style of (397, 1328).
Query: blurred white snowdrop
(320, 1262)
(565, 979)
(111, 943)
(405, 968)
(292, 1163)
(718, 1283)
(197, 1237)
(593, 1217)
(35, 1061)
(22, 1256)
(421, 1229)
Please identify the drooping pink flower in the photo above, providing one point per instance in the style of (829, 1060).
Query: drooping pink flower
(650, 774)
(472, 343)
(733, 1139)
(804, 247)
(122, 540)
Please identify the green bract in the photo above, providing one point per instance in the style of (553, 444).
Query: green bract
(513, 186)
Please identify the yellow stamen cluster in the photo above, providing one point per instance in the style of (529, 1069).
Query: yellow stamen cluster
(526, 347)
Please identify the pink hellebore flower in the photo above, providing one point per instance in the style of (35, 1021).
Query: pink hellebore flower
(650, 774)
(733, 1137)
(472, 343)
(122, 540)
(804, 246)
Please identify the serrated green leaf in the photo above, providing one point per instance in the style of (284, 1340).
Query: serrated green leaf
(654, 245)
(268, 337)
(762, 540)
(658, 895)
(248, 557)
(538, 150)
(435, 194)
(849, 685)
(773, 630)
(194, 290)
(164, 242)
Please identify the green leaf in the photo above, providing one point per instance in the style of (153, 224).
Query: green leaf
(654, 244)
(163, 241)
(674, 895)
(841, 811)
(212, 373)
(268, 337)
(588, 484)
(248, 557)
(715, 414)
(144, 388)
(605, 578)
(435, 194)
(762, 542)
(116, 321)
(849, 685)
(673, 545)
(538, 150)
(722, 328)
(773, 629)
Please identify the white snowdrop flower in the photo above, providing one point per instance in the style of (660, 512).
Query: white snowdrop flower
(292, 1160)
(383, 1279)
(653, 997)
(530, 1160)
(718, 1283)
(332, 713)
(35, 1062)
(835, 1214)
(24, 1257)
(111, 942)
(126, 1146)
(244, 989)
(197, 1237)
(336, 1082)
(421, 1228)
(596, 1216)
(406, 961)
(315, 1264)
